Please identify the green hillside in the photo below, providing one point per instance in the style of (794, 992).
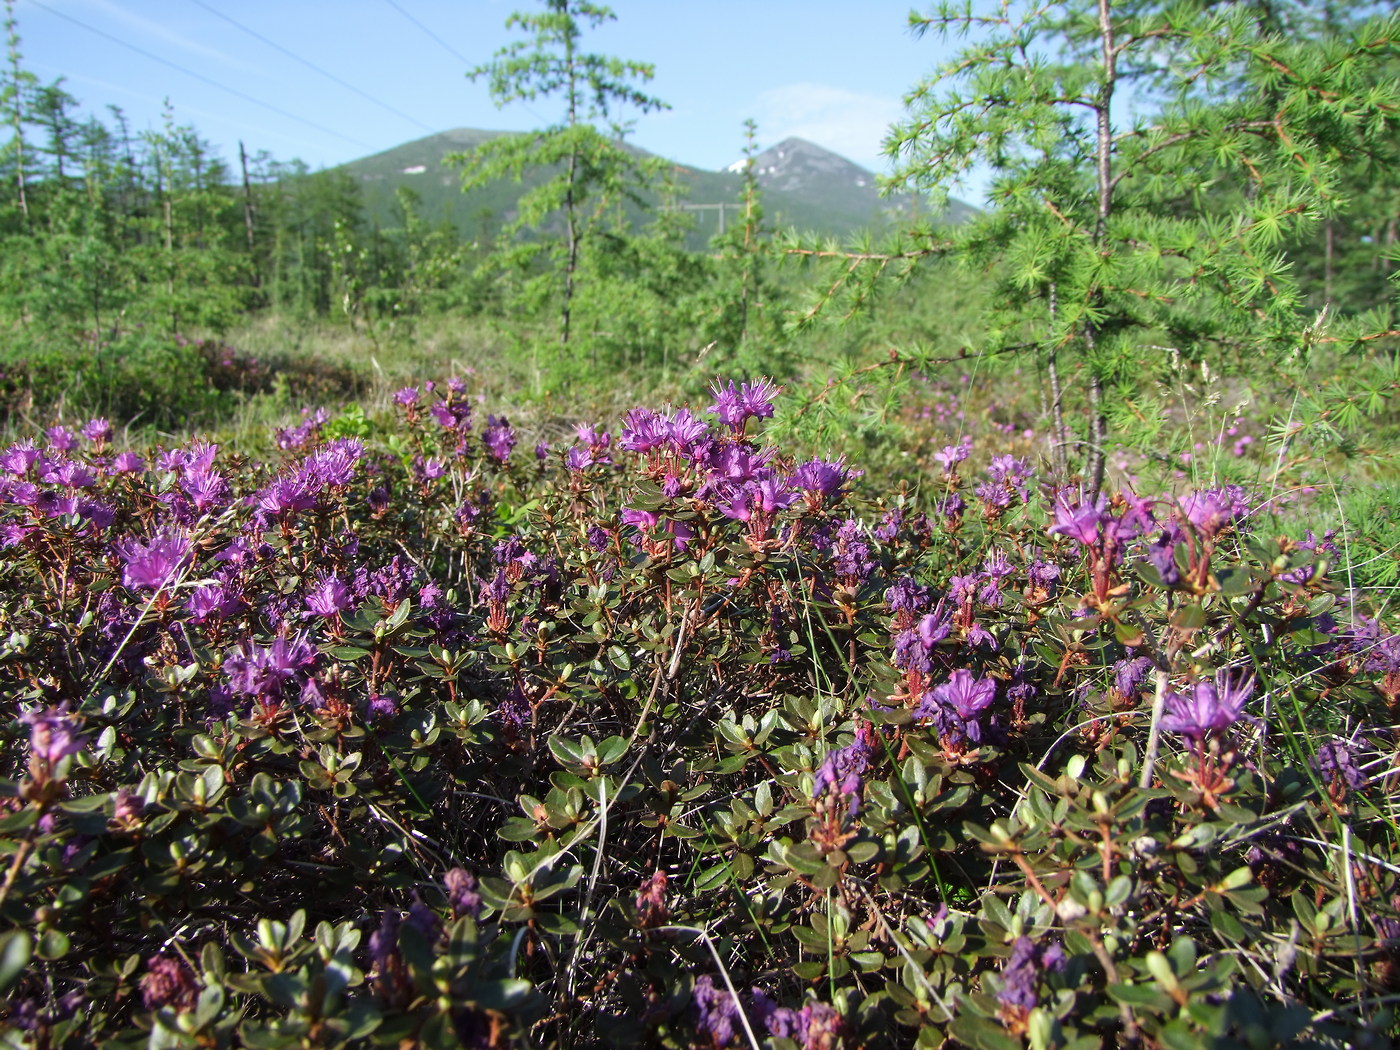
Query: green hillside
(804, 185)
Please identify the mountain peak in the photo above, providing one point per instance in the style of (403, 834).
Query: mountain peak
(795, 165)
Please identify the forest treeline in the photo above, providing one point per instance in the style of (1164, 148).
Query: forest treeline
(125, 251)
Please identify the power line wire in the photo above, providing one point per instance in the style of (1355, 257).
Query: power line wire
(443, 43)
(199, 76)
(312, 66)
(454, 52)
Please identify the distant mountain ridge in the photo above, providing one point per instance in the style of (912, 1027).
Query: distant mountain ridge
(804, 185)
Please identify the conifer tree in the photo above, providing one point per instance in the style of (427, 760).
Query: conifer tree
(589, 169)
(1102, 225)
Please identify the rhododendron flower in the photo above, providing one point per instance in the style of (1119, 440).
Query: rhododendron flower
(579, 458)
(736, 407)
(53, 734)
(755, 498)
(955, 706)
(951, 455)
(98, 430)
(205, 488)
(462, 895)
(1206, 511)
(213, 601)
(70, 475)
(642, 430)
(717, 1012)
(1080, 522)
(333, 465)
(1129, 675)
(904, 595)
(1209, 709)
(19, 458)
(153, 565)
(843, 770)
(651, 902)
(287, 496)
(168, 982)
(60, 439)
(329, 597)
(1019, 978)
(853, 561)
(644, 521)
(822, 481)
(126, 463)
(498, 438)
(262, 671)
(815, 1026)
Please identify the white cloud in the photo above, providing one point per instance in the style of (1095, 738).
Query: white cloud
(846, 122)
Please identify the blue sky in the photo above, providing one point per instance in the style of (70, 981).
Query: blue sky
(832, 71)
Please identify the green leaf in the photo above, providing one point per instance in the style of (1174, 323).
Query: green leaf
(15, 949)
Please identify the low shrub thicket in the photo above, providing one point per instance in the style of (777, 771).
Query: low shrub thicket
(420, 737)
(160, 381)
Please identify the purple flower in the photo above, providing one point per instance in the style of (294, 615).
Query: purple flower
(822, 481)
(642, 430)
(1079, 521)
(1043, 575)
(70, 475)
(407, 397)
(329, 597)
(904, 595)
(452, 415)
(287, 496)
(735, 407)
(205, 488)
(53, 733)
(98, 430)
(816, 1026)
(333, 465)
(718, 1014)
(1335, 763)
(1161, 555)
(1019, 977)
(1010, 472)
(961, 700)
(851, 553)
(951, 455)
(1209, 710)
(19, 458)
(154, 565)
(935, 627)
(126, 463)
(261, 672)
(579, 458)
(462, 895)
(685, 432)
(216, 601)
(888, 529)
(755, 498)
(60, 439)
(384, 942)
(1206, 511)
(644, 521)
(381, 708)
(168, 983)
(843, 770)
(1129, 674)
(498, 438)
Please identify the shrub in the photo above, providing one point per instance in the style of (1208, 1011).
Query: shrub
(423, 737)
